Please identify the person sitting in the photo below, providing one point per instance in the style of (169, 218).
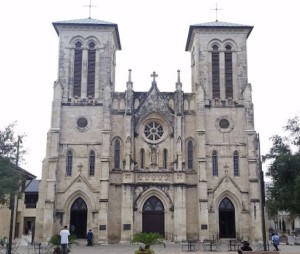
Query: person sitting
(244, 247)
(89, 238)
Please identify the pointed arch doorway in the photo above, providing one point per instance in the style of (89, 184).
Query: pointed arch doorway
(78, 222)
(153, 216)
(227, 219)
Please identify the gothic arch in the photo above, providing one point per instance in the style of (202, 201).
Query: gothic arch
(145, 195)
(76, 39)
(93, 39)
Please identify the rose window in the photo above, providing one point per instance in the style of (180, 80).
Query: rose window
(153, 131)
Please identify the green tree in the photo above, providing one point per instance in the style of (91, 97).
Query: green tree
(11, 151)
(284, 170)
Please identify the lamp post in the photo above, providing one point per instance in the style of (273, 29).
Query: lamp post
(12, 202)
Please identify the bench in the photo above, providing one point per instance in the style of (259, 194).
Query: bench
(233, 245)
(209, 245)
(189, 245)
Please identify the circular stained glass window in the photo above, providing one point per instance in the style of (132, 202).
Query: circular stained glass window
(153, 131)
(82, 122)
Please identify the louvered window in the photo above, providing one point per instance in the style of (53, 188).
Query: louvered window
(77, 69)
(215, 163)
(69, 163)
(216, 72)
(190, 154)
(92, 163)
(91, 70)
(117, 154)
(228, 72)
(236, 167)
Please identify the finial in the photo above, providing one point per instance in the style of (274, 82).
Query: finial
(178, 83)
(129, 75)
(90, 8)
(178, 76)
(154, 75)
(216, 9)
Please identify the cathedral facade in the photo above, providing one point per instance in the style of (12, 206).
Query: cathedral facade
(185, 165)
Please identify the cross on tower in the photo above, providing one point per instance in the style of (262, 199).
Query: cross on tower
(90, 8)
(154, 75)
(216, 9)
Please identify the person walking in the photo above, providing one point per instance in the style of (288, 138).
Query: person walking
(64, 239)
(275, 241)
(89, 238)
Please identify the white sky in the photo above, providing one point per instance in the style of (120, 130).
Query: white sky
(153, 36)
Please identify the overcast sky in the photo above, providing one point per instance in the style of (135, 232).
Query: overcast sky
(153, 36)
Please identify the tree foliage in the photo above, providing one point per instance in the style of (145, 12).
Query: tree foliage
(148, 239)
(284, 170)
(11, 150)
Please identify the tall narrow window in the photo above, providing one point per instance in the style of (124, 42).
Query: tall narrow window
(92, 163)
(165, 158)
(77, 69)
(69, 163)
(190, 154)
(228, 72)
(215, 163)
(142, 158)
(117, 154)
(91, 70)
(215, 72)
(236, 169)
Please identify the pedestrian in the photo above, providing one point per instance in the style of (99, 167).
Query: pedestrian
(64, 239)
(275, 241)
(244, 247)
(89, 238)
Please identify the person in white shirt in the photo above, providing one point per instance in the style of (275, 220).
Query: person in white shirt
(64, 239)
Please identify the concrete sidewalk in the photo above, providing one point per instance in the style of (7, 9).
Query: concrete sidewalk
(171, 248)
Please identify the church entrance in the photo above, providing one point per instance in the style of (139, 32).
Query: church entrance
(153, 216)
(78, 221)
(227, 219)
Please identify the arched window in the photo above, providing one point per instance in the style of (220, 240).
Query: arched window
(165, 158)
(77, 69)
(215, 71)
(69, 163)
(190, 154)
(215, 163)
(92, 163)
(117, 154)
(228, 72)
(236, 170)
(91, 70)
(142, 158)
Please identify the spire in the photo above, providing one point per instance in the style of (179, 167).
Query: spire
(129, 82)
(178, 83)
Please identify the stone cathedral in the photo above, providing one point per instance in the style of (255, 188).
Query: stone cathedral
(185, 165)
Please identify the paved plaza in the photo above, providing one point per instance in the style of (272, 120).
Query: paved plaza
(170, 248)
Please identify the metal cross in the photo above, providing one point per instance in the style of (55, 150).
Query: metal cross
(216, 9)
(154, 75)
(90, 8)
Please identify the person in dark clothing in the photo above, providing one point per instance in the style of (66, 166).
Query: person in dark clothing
(89, 238)
(245, 247)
